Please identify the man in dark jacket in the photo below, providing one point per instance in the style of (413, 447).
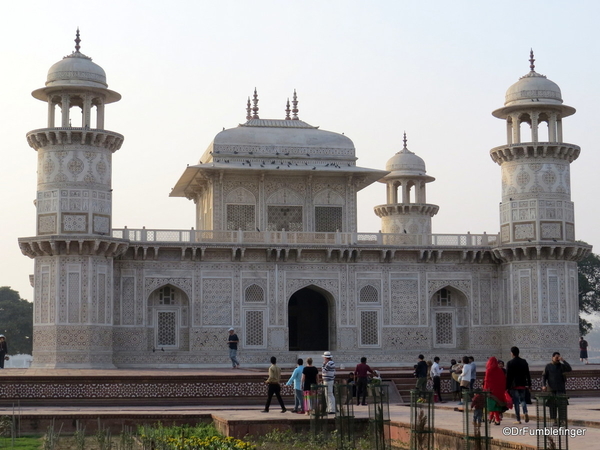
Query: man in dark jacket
(518, 380)
(554, 380)
(421, 374)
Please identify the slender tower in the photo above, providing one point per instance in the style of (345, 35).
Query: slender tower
(409, 212)
(537, 224)
(72, 249)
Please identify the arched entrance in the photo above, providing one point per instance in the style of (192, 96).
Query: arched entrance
(449, 318)
(308, 321)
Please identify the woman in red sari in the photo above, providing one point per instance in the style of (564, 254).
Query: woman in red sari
(495, 383)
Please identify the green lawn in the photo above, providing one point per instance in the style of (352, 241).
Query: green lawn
(23, 443)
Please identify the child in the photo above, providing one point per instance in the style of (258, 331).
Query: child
(477, 404)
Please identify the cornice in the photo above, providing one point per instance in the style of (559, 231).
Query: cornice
(57, 245)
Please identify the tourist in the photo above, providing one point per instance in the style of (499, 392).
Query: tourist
(477, 404)
(328, 377)
(362, 380)
(296, 380)
(455, 370)
(465, 377)
(274, 386)
(421, 374)
(473, 372)
(494, 381)
(554, 380)
(3, 351)
(501, 365)
(351, 382)
(309, 379)
(518, 381)
(233, 342)
(583, 352)
(436, 372)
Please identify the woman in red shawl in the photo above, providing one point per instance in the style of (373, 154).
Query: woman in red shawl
(495, 383)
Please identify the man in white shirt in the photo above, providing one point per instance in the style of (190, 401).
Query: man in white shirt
(436, 372)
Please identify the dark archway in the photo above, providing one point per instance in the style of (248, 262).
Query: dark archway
(308, 321)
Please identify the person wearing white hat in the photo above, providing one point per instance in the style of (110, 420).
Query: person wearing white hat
(233, 342)
(3, 350)
(328, 377)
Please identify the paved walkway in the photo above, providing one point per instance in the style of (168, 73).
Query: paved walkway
(584, 413)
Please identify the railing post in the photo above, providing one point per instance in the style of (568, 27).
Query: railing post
(283, 236)
(144, 235)
(192, 235)
(484, 239)
(125, 233)
(240, 236)
(469, 242)
(338, 237)
(379, 238)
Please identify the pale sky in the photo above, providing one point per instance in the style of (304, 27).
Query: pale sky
(371, 70)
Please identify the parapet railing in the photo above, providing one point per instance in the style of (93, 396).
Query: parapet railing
(304, 238)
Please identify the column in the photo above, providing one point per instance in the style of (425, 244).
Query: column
(534, 126)
(516, 129)
(100, 114)
(559, 130)
(552, 128)
(509, 132)
(86, 111)
(51, 110)
(65, 105)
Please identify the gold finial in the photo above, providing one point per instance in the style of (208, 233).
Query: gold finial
(287, 110)
(248, 110)
(295, 106)
(531, 61)
(255, 107)
(77, 41)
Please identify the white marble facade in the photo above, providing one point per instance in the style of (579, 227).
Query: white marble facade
(275, 251)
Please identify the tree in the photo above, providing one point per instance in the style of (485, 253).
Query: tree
(589, 289)
(16, 321)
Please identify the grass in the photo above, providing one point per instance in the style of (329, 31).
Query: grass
(22, 443)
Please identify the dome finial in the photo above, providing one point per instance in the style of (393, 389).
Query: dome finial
(287, 110)
(531, 61)
(295, 106)
(404, 140)
(255, 107)
(248, 110)
(77, 41)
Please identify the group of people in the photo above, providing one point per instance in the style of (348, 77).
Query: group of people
(305, 377)
(506, 387)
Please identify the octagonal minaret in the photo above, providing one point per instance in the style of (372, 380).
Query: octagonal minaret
(538, 250)
(408, 213)
(73, 250)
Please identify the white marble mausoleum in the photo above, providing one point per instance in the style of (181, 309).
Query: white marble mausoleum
(275, 251)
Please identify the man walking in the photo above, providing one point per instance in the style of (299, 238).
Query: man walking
(274, 386)
(328, 377)
(518, 380)
(233, 348)
(361, 380)
(553, 380)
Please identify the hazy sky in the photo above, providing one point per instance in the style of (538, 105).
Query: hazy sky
(371, 70)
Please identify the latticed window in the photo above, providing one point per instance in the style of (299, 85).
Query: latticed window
(444, 328)
(255, 293)
(444, 297)
(166, 296)
(368, 294)
(254, 328)
(369, 328)
(328, 218)
(241, 217)
(167, 329)
(284, 217)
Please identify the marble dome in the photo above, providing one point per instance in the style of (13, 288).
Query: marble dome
(406, 162)
(76, 70)
(533, 87)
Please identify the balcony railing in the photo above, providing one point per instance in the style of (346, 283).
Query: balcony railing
(304, 238)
